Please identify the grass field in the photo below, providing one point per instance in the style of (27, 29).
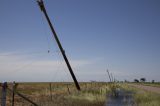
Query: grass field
(142, 97)
(65, 94)
(61, 94)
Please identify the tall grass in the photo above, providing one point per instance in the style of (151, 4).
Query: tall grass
(142, 97)
(146, 98)
(92, 94)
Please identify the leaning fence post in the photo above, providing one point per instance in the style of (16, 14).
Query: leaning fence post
(4, 93)
(13, 89)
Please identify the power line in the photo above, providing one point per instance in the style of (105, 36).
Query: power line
(28, 53)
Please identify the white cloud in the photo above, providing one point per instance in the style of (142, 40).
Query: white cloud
(13, 67)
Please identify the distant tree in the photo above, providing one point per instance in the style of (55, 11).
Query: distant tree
(136, 80)
(153, 81)
(143, 79)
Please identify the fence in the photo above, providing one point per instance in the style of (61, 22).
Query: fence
(11, 88)
(5, 88)
(41, 94)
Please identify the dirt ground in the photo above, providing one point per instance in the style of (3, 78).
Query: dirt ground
(147, 88)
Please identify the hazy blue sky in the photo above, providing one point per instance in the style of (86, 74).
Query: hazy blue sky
(120, 35)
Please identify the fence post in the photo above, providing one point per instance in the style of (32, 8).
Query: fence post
(13, 89)
(68, 89)
(4, 93)
(50, 88)
(86, 86)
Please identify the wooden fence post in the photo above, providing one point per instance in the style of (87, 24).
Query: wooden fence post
(68, 89)
(4, 94)
(86, 86)
(50, 88)
(13, 89)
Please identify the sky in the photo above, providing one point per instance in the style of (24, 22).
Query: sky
(122, 36)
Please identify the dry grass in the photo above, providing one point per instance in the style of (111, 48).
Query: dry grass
(142, 97)
(92, 94)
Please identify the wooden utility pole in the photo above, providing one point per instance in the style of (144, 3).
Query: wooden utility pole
(109, 76)
(112, 77)
(42, 7)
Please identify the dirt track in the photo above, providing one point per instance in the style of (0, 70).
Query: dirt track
(147, 88)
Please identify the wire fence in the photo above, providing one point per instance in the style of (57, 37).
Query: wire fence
(31, 94)
(45, 94)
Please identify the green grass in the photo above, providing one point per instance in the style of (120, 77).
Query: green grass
(142, 97)
(87, 99)
(156, 84)
(147, 99)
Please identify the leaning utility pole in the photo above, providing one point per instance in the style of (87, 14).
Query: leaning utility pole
(42, 7)
(112, 77)
(109, 76)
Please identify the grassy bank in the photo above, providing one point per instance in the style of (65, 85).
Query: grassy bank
(142, 97)
(147, 98)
